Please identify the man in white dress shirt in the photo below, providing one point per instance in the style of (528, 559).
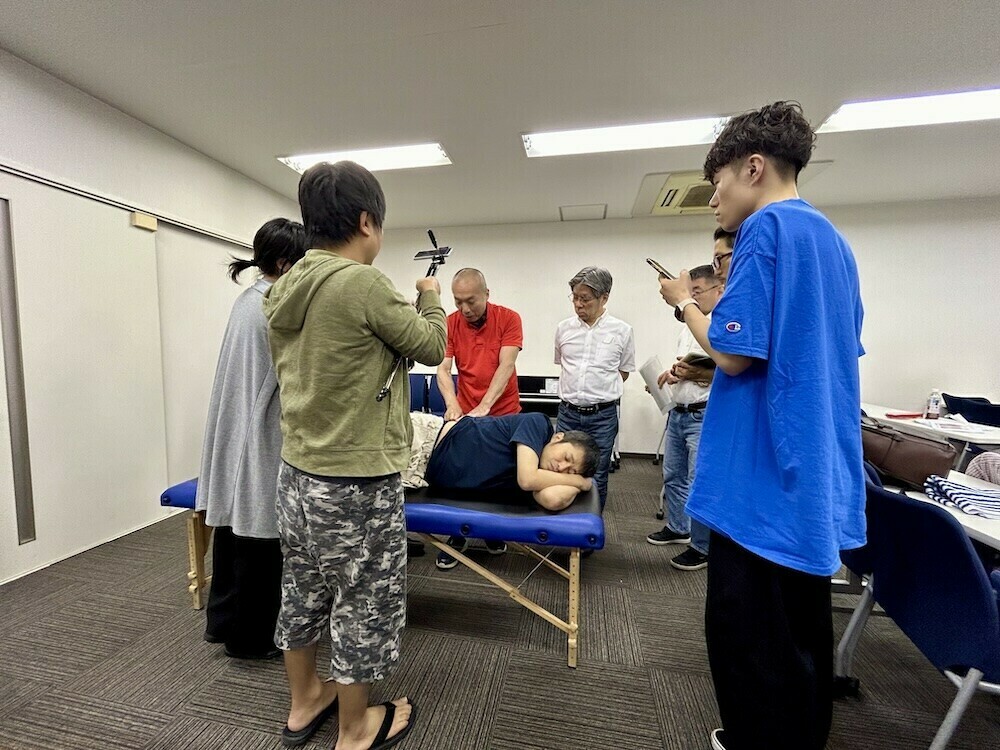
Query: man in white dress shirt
(596, 352)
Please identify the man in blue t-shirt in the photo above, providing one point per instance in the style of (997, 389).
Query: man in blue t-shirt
(519, 453)
(779, 478)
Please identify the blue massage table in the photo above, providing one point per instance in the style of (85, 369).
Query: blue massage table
(181, 496)
(486, 515)
(478, 515)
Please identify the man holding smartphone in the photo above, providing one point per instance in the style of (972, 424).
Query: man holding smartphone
(780, 478)
(690, 385)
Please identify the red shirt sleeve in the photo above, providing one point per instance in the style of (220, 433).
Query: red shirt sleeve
(449, 347)
(511, 333)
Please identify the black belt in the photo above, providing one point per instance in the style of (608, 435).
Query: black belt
(687, 409)
(593, 409)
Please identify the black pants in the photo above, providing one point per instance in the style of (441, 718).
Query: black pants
(769, 631)
(246, 592)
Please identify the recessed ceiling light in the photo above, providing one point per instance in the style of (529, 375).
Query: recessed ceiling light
(624, 137)
(966, 106)
(376, 159)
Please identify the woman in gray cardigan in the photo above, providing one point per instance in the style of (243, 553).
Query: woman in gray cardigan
(241, 457)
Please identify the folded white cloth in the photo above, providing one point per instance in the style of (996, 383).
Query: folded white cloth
(975, 502)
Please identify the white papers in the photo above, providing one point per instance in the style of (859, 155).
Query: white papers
(952, 425)
(664, 397)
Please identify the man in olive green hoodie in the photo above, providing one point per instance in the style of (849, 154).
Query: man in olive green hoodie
(335, 325)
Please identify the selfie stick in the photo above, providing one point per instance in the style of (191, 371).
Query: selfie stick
(437, 259)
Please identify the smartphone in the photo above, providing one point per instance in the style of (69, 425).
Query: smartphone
(438, 252)
(660, 269)
(697, 360)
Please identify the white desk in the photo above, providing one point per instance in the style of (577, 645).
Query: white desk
(983, 436)
(985, 530)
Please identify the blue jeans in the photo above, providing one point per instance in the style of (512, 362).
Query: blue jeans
(603, 427)
(680, 452)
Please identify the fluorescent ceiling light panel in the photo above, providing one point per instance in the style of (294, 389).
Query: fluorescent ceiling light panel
(376, 159)
(966, 106)
(624, 137)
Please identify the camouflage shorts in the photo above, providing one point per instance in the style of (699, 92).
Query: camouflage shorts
(426, 428)
(344, 547)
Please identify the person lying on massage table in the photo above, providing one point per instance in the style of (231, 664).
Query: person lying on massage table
(516, 452)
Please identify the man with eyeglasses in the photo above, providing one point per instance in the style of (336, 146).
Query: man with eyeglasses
(690, 385)
(722, 253)
(596, 353)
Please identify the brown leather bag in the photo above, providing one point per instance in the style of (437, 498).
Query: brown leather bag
(907, 458)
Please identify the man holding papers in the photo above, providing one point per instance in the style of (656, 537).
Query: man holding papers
(689, 381)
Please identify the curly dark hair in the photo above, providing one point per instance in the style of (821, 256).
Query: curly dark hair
(779, 131)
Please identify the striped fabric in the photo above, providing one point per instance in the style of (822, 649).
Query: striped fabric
(975, 502)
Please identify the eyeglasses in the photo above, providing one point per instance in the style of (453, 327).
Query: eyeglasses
(717, 260)
(698, 292)
(582, 300)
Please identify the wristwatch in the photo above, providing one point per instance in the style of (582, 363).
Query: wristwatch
(679, 308)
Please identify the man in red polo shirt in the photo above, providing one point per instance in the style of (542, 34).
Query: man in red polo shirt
(483, 341)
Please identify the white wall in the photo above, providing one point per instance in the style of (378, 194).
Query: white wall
(196, 297)
(52, 129)
(931, 290)
(94, 310)
(928, 272)
(93, 382)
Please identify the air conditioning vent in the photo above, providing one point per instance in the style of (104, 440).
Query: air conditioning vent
(673, 194)
(688, 193)
(668, 198)
(697, 196)
(683, 193)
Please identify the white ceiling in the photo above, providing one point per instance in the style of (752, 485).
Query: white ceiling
(245, 81)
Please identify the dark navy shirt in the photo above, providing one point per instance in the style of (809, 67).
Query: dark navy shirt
(481, 452)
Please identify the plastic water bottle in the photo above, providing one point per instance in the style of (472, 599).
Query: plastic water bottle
(933, 405)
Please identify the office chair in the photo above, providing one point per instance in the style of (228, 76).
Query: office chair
(973, 408)
(435, 401)
(928, 578)
(418, 392)
(859, 560)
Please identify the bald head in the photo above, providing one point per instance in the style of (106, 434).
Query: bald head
(470, 277)
(471, 293)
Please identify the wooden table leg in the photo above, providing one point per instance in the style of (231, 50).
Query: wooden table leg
(574, 604)
(199, 536)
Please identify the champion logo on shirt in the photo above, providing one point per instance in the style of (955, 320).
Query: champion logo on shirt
(733, 326)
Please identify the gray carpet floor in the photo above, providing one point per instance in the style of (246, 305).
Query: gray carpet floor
(103, 651)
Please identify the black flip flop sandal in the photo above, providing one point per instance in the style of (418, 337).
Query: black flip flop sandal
(382, 739)
(301, 736)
